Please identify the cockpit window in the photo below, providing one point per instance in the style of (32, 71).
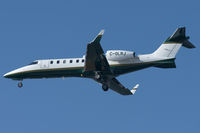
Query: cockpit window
(34, 62)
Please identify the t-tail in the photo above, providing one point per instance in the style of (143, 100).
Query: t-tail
(171, 46)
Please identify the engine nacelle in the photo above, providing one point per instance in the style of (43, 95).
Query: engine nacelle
(119, 55)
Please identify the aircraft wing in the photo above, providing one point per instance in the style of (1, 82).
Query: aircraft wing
(95, 61)
(115, 85)
(95, 58)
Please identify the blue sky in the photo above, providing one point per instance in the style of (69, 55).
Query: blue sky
(167, 100)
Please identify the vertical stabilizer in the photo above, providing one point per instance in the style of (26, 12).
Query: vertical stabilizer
(172, 45)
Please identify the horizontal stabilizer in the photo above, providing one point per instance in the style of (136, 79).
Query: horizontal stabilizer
(188, 44)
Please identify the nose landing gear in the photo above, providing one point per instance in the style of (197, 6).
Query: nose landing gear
(20, 84)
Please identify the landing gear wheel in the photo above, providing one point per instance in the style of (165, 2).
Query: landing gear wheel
(97, 76)
(105, 87)
(20, 84)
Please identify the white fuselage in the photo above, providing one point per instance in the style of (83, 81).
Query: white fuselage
(62, 67)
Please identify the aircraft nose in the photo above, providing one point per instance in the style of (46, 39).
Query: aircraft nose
(13, 74)
(17, 74)
(7, 75)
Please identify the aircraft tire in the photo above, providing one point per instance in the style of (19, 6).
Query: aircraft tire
(105, 87)
(20, 84)
(97, 76)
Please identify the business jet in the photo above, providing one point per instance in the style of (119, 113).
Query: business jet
(104, 68)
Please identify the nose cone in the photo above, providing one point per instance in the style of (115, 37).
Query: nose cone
(15, 74)
(6, 75)
(9, 74)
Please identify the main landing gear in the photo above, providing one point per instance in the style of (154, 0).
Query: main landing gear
(99, 78)
(20, 84)
(105, 87)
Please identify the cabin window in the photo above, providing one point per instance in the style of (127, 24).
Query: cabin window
(51, 62)
(77, 61)
(133, 54)
(58, 61)
(83, 60)
(64, 61)
(70, 61)
(34, 62)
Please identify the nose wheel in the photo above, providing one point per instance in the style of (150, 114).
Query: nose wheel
(20, 84)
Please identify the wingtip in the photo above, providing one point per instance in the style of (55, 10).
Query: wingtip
(134, 89)
(98, 37)
(136, 86)
(101, 32)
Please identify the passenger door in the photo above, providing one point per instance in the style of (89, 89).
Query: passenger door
(44, 64)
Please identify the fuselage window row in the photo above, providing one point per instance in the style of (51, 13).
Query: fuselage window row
(70, 61)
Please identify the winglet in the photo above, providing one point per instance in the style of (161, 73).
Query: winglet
(134, 89)
(98, 37)
(101, 32)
